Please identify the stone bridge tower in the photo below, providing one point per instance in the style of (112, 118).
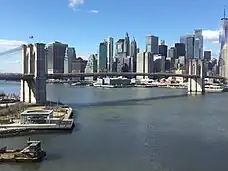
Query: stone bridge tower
(34, 63)
(197, 84)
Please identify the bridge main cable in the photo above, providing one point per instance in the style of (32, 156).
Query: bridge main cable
(10, 51)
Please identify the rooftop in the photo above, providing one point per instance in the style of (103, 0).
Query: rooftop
(36, 112)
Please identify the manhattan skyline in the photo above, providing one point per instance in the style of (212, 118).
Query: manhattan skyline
(83, 24)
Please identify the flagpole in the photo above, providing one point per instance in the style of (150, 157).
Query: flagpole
(31, 38)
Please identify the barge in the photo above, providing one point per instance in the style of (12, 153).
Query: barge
(31, 153)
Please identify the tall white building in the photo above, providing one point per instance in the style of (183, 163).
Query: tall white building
(223, 56)
(145, 64)
(66, 66)
(91, 66)
(69, 57)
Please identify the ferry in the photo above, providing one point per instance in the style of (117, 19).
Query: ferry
(177, 86)
(31, 153)
(214, 88)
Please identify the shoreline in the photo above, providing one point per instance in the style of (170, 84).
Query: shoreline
(9, 130)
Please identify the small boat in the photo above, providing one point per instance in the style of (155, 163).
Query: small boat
(97, 84)
(76, 84)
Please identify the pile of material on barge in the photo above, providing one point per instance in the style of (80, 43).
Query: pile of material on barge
(31, 153)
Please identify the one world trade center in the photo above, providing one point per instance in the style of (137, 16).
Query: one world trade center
(223, 39)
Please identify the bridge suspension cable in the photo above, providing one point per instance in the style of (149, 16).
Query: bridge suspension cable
(11, 51)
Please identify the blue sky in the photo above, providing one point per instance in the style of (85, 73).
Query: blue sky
(85, 23)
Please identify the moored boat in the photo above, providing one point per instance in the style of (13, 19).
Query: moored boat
(214, 88)
(31, 153)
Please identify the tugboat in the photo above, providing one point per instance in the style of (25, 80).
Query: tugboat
(31, 153)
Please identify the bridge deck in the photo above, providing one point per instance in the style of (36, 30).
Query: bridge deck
(18, 76)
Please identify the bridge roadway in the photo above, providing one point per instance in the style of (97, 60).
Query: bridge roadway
(18, 76)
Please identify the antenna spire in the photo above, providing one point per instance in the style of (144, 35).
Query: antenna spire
(224, 11)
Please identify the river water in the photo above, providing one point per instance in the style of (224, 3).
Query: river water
(129, 130)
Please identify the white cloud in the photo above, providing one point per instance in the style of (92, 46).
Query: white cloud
(211, 35)
(94, 11)
(74, 3)
(13, 43)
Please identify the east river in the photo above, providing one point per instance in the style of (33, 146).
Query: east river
(129, 130)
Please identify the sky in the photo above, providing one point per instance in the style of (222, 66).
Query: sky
(83, 24)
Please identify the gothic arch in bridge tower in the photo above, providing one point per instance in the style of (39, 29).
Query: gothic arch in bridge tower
(199, 69)
(193, 69)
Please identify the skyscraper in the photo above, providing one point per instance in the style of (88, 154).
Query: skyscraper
(78, 65)
(127, 44)
(133, 54)
(122, 61)
(180, 49)
(56, 52)
(70, 56)
(207, 55)
(120, 46)
(152, 44)
(223, 39)
(197, 48)
(91, 66)
(198, 45)
(102, 58)
(163, 50)
(145, 63)
(172, 54)
(110, 54)
(190, 42)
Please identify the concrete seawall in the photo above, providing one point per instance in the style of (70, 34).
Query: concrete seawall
(24, 132)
